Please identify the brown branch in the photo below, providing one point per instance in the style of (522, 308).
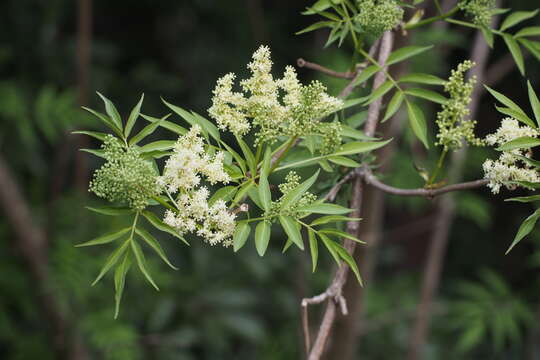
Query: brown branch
(313, 66)
(340, 276)
(426, 192)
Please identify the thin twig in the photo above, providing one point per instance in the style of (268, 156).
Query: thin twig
(313, 66)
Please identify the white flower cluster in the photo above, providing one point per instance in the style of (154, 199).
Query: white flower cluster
(509, 168)
(184, 168)
(182, 174)
(274, 106)
(214, 223)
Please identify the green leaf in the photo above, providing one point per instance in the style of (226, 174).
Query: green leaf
(347, 131)
(344, 161)
(405, 53)
(525, 199)
(147, 130)
(488, 35)
(517, 17)
(262, 236)
(97, 152)
(319, 6)
(242, 192)
(248, 155)
(239, 160)
(532, 46)
(253, 194)
(535, 103)
(97, 135)
(524, 118)
(513, 46)
(105, 120)
(357, 147)
(295, 194)
(530, 161)
(528, 31)
(393, 105)
(342, 234)
(330, 246)
(526, 227)
(524, 142)
(112, 260)
(225, 193)
(105, 239)
(154, 244)
(417, 122)
(332, 218)
(241, 233)
(366, 74)
(315, 26)
(160, 225)
(289, 225)
(427, 94)
(264, 192)
(421, 78)
(379, 92)
(207, 126)
(504, 100)
(327, 209)
(182, 113)
(111, 111)
(314, 249)
(141, 263)
(110, 210)
(344, 254)
(135, 112)
(160, 145)
(175, 128)
(120, 281)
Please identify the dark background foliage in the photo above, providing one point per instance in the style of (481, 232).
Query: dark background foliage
(221, 305)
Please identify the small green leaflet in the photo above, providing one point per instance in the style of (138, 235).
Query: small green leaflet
(105, 239)
(327, 209)
(314, 249)
(262, 236)
(289, 225)
(241, 234)
(526, 227)
(406, 52)
(417, 122)
(135, 112)
(357, 147)
(517, 17)
(523, 142)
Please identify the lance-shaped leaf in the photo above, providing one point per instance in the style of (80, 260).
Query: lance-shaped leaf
(393, 105)
(535, 103)
(524, 142)
(112, 260)
(225, 193)
(504, 100)
(314, 249)
(421, 78)
(526, 227)
(379, 92)
(516, 115)
(207, 126)
(248, 155)
(515, 50)
(154, 244)
(332, 218)
(291, 229)
(160, 225)
(175, 128)
(105, 239)
(135, 112)
(111, 111)
(427, 94)
(241, 234)
(262, 236)
(532, 46)
(120, 281)
(141, 263)
(342, 234)
(344, 161)
(329, 243)
(528, 31)
(110, 210)
(97, 135)
(105, 120)
(517, 17)
(96, 152)
(265, 195)
(327, 209)
(525, 199)
(366, 74)
(357, 147)
(406, 52)
(147, 130)
(349, 260)
(160, 145)
(417, 122)
(315, 26)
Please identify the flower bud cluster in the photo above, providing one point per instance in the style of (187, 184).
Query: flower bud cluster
(125, 177)
(510, 168)
(292, 180)
(454, 129)
(274, 107)
(182, 174)
(480, 11)
(378, 16)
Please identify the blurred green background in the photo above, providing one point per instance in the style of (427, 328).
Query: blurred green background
(221, 305)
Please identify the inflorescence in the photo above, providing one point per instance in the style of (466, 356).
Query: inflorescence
(480, 11)
(125, 177)
(510, 169)
(454, 128)
(378, 16)
(275, 107)
(292, 180)
(182, 176)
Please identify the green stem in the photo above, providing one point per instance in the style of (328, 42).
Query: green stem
(438, 168)
(283, 153)
(432, 19)
(134, 225)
